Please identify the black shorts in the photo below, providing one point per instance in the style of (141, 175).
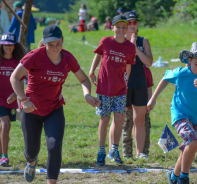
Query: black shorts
(4, 111)
(137, 96)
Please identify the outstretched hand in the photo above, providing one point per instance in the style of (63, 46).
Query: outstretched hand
(11, 98)
(94, 102)
(195, 83)
(151, 104)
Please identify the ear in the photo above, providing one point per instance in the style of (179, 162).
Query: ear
(189, 59)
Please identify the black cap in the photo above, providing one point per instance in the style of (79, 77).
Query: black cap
(8, 38)
(130, 15)
(119, 18)
(51, 33)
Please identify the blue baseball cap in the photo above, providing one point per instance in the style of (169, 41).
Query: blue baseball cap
(119, 10)
(8, 38)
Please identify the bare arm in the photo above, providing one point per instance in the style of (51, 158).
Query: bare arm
(146, 57)
(86, 86)
(18, 73)
(161, 86)
(95, 63)
(128, 70)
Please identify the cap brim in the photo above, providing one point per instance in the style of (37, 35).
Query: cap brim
(51, 39)
(184, 55)
(120, 21)
(133, 18)
(7, 43)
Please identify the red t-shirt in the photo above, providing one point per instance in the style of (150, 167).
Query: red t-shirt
(46, 79)
(112, 74)
(149, 78)
(81, 27)
(6, 69)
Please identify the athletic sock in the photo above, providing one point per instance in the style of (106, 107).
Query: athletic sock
(174, 177)
(114, 147)
(182, 175)
(102, 149)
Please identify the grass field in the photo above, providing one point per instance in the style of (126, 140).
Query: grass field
(80, 144)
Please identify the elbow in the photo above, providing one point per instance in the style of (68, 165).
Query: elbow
(149, 64)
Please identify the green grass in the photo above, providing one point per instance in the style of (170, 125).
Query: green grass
(80, 145)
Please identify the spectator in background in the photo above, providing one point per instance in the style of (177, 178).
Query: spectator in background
(15, 25)
(120, 11)
(108, 24)
(83, 12)
(81, 27)
(93, 25)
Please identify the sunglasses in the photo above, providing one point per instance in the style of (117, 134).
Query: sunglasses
(134, 23)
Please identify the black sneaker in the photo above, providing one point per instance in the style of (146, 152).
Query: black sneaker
(101, 159)
(29, 172)
(184, 180)
(169, 178)
(114, 156)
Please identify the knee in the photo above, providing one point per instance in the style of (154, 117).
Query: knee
(5, 126)
(54, 146)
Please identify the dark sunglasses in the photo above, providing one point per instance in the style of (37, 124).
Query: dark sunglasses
(134, 23)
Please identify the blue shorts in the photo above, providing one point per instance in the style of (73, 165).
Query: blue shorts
(187, 131)
(4, 111)
(111, 104)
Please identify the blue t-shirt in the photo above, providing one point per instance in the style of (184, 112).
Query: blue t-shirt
(184, 102)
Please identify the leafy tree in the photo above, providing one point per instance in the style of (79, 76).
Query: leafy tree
(186, 10)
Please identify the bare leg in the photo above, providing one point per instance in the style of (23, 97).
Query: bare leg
(103, 125)
(5, 129)
(117, 128)
(51, 181)
(139, 127)
(110, 134)
(188, 156)
(177, 168)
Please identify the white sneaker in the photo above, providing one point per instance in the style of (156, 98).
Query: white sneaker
(142, 156)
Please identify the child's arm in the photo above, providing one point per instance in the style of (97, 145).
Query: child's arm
(11, 98)
(152, 102)
(128, 70)
(95, 63)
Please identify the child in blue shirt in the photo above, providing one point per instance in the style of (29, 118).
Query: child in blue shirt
(183, 111)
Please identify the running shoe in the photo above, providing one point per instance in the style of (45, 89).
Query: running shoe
(4, 161)
(115, 157)
(101, 159)
(142, 156)
(184, 180)
(29, 172)
(170, 181)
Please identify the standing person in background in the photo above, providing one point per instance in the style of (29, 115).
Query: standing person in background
(118, 54)
(120, 11)
(47, 67)
(11, 52)
(127, 140)
(137, 95)
(83, 12)
(15, 25)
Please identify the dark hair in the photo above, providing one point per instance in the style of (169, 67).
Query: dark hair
(83, 6)
(19, 6)
(18, 53)
(40, 44)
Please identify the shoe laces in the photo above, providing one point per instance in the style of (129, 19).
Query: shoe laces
(117, 156)
(30, 170)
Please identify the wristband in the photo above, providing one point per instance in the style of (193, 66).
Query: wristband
(22, 100)
(25, 100)
(91, 74)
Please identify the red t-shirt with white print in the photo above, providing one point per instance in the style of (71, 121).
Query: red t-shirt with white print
(6, 68)
(46, 79)
(112, 76)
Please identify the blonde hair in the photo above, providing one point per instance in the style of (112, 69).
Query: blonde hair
(41, 43)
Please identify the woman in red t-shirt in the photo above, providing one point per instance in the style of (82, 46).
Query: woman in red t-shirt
(10, 54)
(47, 68)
